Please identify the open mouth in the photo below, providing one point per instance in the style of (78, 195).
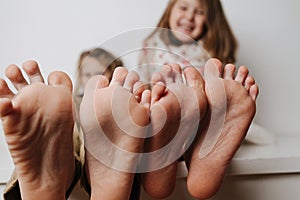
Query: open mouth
(186, 27)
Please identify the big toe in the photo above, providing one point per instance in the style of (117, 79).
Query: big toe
(119, 76)
(59, 78)
(212, 69)
(96, 82)
(193, 78)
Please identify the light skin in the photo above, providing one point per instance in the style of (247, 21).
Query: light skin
(41, 141)
(90, 67)
(99, 93)
(206, 173)
(168, 87)
(33, 140)
(188, 18)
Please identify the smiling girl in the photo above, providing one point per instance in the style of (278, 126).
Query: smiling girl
(188, 33)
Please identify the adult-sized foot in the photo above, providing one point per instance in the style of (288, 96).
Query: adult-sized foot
(214, 147)
(176, 109)
(38, 126)
(114, 121)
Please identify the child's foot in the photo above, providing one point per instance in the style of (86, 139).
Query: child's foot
(114, 123)
(175, 109)
(38, 127)
(207, 165)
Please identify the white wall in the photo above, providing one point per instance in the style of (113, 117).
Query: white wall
(268, 32)
(55, 32)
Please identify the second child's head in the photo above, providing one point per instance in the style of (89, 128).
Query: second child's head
(94, 62)
(201, 20)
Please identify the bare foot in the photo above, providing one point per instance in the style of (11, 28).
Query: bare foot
(114, 122)
(175, 109)
(38, 127)
(214, 148)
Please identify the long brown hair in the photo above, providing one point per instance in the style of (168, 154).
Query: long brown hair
(217, 38)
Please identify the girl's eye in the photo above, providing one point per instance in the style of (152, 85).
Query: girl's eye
(183, 8)
(200, 12)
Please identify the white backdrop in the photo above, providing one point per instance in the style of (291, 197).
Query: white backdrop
(55, 32)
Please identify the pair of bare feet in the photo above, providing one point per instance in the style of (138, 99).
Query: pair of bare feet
(38, 126)
(226, 103)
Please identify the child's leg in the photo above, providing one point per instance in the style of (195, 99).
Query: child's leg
(175, 110)
(206, 170)
(38, 127)
(114, 124)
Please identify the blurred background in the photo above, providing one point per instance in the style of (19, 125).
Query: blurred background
(55, 33)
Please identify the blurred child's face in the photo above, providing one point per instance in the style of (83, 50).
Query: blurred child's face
(90, 67)
(188, 18)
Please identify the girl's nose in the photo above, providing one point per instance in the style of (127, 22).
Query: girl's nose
(189, 14)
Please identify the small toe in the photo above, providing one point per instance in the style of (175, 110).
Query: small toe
(131, 78)
(33, 71)
(242, 74)
(253, 92)
(229, 70)
(249, 82)
(158, 91)
(4, 89)
(16, 77)
(167, 74)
